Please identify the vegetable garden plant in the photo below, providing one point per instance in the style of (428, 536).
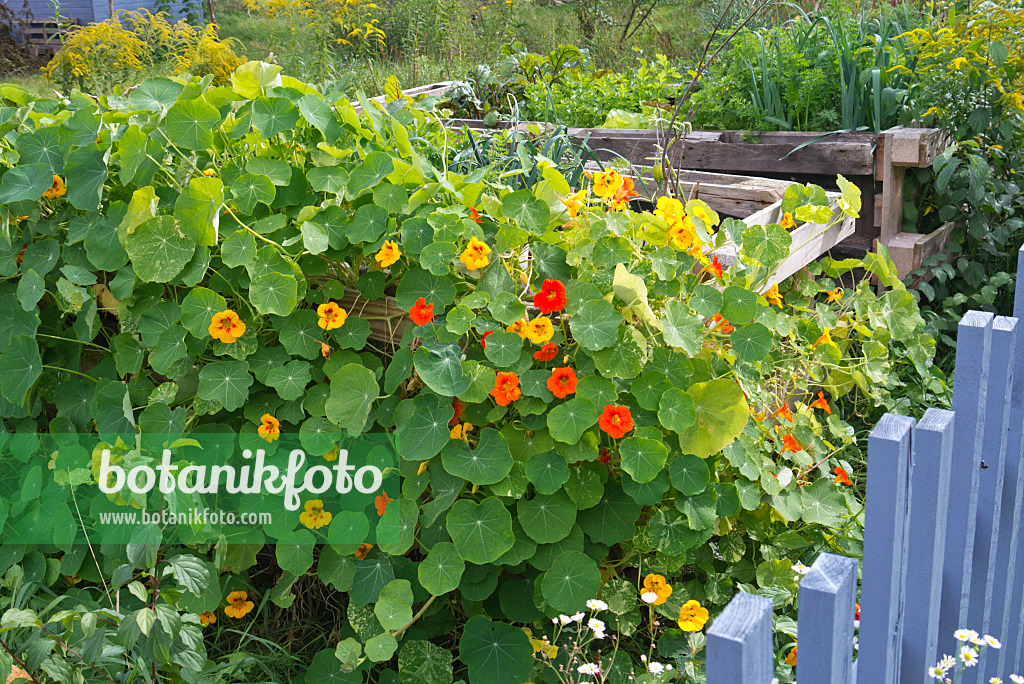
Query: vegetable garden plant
(586, 404)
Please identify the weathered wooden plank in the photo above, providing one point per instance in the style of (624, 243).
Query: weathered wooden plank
(739, 643)
(884, 550)
(930, 471)
(825, 626)
(992, 472)
(970, 382)
(387, 321)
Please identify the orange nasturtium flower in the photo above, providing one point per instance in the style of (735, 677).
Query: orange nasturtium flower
(607, 183)
(773, 296)
(475, 215)
(207, 618)
(656, 584)
(363, 550)
(842, 477)
(787, 221)
(506, 388)
(239, 604)
(692, 616)
(825, 338)
(314, 516)
(206, 172)
(789, 443)
(226, 326)
(715, 268)
(791, 657)
(721, 325)
(683, 235)
(381, 503)
(458, 407)
(574, 202)
(519, 328)
(475, 254)
(784, 412)
(615, 420)
(551, 297)
(325, 350)
(461, 431)
(388, 254)
(547, 352)
(270, 427)
(670, 209)
(58, 189)
(331, 316)
(822, 403)
(421, 313)
(835, 295)
(619, 200)
(540, 330)
(562, 382)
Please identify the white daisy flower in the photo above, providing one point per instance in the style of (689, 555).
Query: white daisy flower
(995, 680)
(948, 662)
(1016, 679)
(936, 672)
(643, 659)
(597, 604)
(800, 568)
(969, 656)
(965, 635)
(655, 668)
(578, 617)
(589, 669)
(992, 641)
(649, 597)
(595, 625)
(554, 621)
(564, 619)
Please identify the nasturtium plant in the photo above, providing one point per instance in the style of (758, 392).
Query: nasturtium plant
(568, 381)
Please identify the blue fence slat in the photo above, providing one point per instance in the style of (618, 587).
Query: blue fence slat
(825, 626)
(884, 550)
(931, 466)
(739, 646)
(974, 343)
(1010, 656)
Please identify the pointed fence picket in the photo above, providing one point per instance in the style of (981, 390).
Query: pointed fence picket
(942, 540)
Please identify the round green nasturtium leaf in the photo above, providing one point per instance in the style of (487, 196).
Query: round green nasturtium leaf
(626, 358)
(706, 300)
(225, 381)
(682, 329)
(572, 579)
(368, 224)
(325, 670)
(294, 551)
(567, 422)
(330, 179)
(272, 115)
(396, 530)
(300, 334)
(422, 426)
(721, 411)
(495, 652)
(417, 283)
(348, 528)
(642, 458)
(596, 325)
(597, 390)
(481, 531)
(157, 250)
(353, 334)
(274, 293)
(649, 388)
(289, 380)
(739, 304)
(516, 597)
(250, 188)
(506, 308)
(381, 647)
(547, 471)
(671, 534)
(646, 493)
(421, 662)
(529, 213)
(689, 474)
(547, 518)
(198, 308)
(437, 257)
(440, 367)
(584, 488)
(489, 463)
(190, 124)
(239, 249)
(353, 390)
(441, 571)
(612, 519)
(318, 435)
(25, 182)
(394, 605)
(751, 342)
(503, 348)
(676, 411)
(375, 167)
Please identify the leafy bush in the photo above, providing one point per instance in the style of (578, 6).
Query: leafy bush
(352, 23)
(581, 380)
(119, 50)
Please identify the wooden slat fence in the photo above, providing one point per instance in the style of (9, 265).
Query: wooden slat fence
(942, 541)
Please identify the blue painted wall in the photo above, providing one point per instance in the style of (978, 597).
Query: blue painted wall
(88, 11)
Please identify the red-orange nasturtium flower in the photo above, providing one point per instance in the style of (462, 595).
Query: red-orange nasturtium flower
(551, 297)
(822, 403)
(791, 657)
(785, 413)
(826, 338)
(789, 443)
(483, 339)
(331, 316)
(421, 313)
(226, 326)
(459, 407)
(720, 324)
(615, 420)
(363, 551)
(787, 221)
(715, 267)
(562, 382)
(547, 352)
(619, 201)
(475, 215)
(270, 427)
(506, 388)
(842, 477)
(381, 503)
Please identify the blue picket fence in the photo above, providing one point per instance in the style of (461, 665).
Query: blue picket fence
(942, 548)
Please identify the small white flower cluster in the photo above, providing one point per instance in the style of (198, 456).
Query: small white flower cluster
(968, 656)
(655, 668)
(800, 569)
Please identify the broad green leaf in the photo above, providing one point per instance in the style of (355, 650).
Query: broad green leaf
(421, 662)
(41, 146)
(823, 503)
(547, 518)
(506, 308)
(676, 411)
(85, 172)
(396, 531)
(394, 605)
(274, 293)
(682, 329)
(529, 213)
(21, 366)
(610, 521)
(381, 647)
(503, 348)
(422, 426)
(158, 250)
(348, 528)
(198, 308)
(767, 244)
(155, 94)
(277, 170)
(417, 283)
(300, 334)
(626, 358)
(567, 422)
(190, 124)
(721, 411)
(375, 168)
(440, 367)
(197, 210)
(31, 289)
(596, 325)
(547, 471)
(353, 390)
(271, 115)
(642, 458)
(689, 474)
(738, 305)
(319, 113)
(250, 188)
(752, 342)
(481, 531)
(572, 580)
(671, 533)
(706, 300)
(392, 198)
(487, 464)
(495, 652)
(226, 381)
(368, 224)
(25, 182)
(289, 380)
(441, 571)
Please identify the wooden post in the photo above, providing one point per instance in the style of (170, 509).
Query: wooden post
(825, 626)
(884, 550)
(974, 344)
(930, 471)
(739, 646)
